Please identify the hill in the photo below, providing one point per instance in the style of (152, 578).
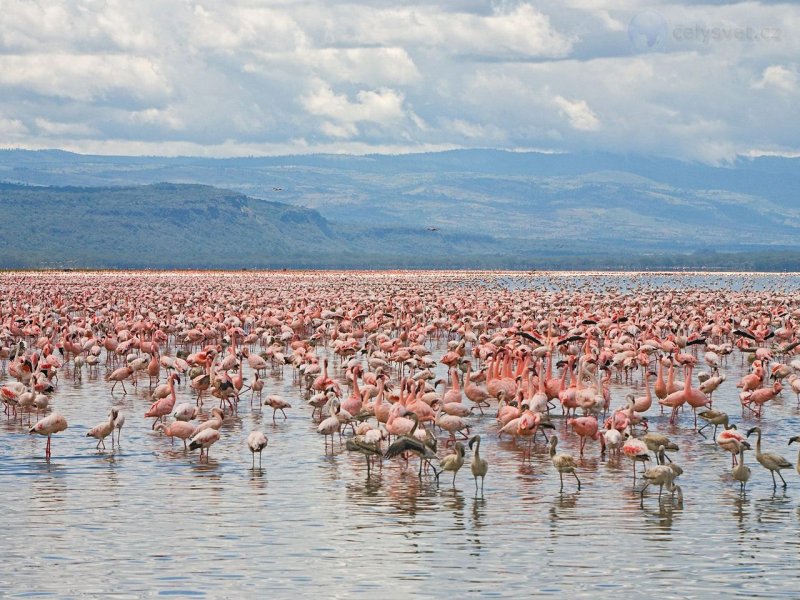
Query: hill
(481, 208)
(160, 225)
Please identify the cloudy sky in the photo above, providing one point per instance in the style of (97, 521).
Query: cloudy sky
(237, 77)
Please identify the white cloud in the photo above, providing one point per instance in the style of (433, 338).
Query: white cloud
(85, 77)
(12, 127)
(779, 77)
(522, 31)
(248, 76)
(64, 129)
(371, 65)
(578, 112)
(382, 107)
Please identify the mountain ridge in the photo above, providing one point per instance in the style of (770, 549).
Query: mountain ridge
(461, 207)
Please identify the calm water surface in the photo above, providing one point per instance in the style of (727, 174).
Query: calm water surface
(148, 519)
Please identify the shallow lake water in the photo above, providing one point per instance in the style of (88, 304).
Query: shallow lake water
(147, 518)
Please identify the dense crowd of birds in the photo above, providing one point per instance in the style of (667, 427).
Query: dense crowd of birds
(540, 359)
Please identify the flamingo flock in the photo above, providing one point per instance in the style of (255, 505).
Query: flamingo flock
(368, 354)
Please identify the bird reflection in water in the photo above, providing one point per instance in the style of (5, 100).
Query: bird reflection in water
(476, 522)
(563, 506)
(409, 494)
(663, 513)
(773, 509)
(454, 500)
(205, 467)
(740, 502)
(364, 493)
(48, 490)
(258, 480)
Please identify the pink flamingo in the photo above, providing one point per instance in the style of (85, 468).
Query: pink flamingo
(677, 399)
(636, 450)
(103, 430)
(276, 403)
(51, 424)
(256, 362)
(477, 395)
(454, 393)
(161, 408)
(381, 408)
(643, 403)
(204, 440)
(418, 406)
(761, 396)
(752, 381)
(586, 428)
(398, 424)
(354, 402)
(119, 376)
(177, 429)
(731, 440)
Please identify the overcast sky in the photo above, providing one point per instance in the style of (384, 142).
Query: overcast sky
(236, 77)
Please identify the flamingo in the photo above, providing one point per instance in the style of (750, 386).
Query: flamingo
(770, 460)
(453, 462)
(119, 376)
(730, 439)
(177, 429)
(761, 396)
(636, 450)
(677, 398)
(49, 425)
(452, 425)
(660, 475)
(479, 466)
(409, 443)
(586, 428)
(741, 472)
(713, 417)
(612, 440)
(185, 412)
(369, 446)
(119, 422)
(277, 404)
(257, 442)
(213, 422)
(564, 463)
(204, 440)
(476, 394)
(332, 424)
(161, 408)
(643, 403)
(256, 362)
(102, 430)
(258, 386)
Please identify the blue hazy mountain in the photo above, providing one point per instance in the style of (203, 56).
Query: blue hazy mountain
(500, 208)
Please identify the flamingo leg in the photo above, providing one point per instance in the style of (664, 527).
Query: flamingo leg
(782, 479)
